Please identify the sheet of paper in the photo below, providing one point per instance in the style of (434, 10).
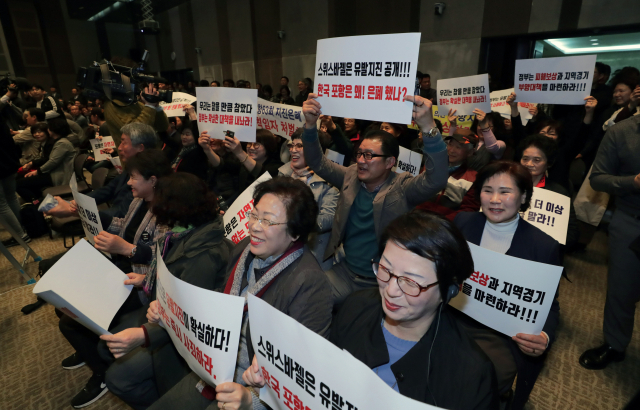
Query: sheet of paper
(334, 156)
(86, 286)
(549, 211)
(174, 108)
(367, 77)
(228, 111)
(464, 94)
(100, 146)
(236, 219)
(205, 338)
(328, 371)
(116, 164)
(499, 104)
(87, 211)
(508, 294)
(409, 161)
(558, 80)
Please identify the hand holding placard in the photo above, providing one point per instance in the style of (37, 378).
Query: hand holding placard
(153, 316)
(253, 375)
(422, 112)
(311, 110)
(531, 345)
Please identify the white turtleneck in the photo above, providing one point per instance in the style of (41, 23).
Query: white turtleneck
(498, 237)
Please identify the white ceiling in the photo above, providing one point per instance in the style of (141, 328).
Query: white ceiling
(597, 44)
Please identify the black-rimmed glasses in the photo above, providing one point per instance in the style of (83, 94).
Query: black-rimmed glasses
(407, 286)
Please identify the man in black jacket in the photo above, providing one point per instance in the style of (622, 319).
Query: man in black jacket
(47, 104)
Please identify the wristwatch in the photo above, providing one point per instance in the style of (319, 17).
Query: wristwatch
(133, 252)
(433, 132)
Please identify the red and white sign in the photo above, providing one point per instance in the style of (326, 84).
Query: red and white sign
(367, 77)
(280, 119)
(174, 108)
(464, 94)
(228, 111)
(236, 219)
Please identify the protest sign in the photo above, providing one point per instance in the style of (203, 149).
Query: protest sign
(464, 94)
(100, 146)
(115, 161)
(334, 156)
(174, 108)
(228, 111)
(205, 338)
(558, 80)
(462, 121)
(508, 294)
(280, 119)
(86, 287)
(408, 161)
(367, 77)
(87, 211)
(549, 211)
(499, 104)
(296, 378)
(236, 219)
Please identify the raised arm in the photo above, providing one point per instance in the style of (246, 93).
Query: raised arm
(315, 159)
(495, 147)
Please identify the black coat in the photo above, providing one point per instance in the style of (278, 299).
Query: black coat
(9, 152)
(461, 375)
(194, 162)
(528, 243)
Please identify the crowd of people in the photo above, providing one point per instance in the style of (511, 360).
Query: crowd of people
(358, 253)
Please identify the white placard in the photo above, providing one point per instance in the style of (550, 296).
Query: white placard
(236, 219)
(334, 156)
(409, 161)
(508, 294)
(464, 94)
(222, 109)
(100, 146)
(280, 119)
(277, 338)
(549, 212)
(87, 211)
(367, 77)
(116, 164)
(499, 104)
(86, 287)
(174, 108)
(558, 80)
(205, 338)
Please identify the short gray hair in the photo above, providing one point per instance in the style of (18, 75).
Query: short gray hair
(140, 134)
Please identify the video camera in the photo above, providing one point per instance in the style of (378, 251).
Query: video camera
(117, 82)
(13, 84)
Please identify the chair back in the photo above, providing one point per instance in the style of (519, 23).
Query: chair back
(98, 178)
(78, 166)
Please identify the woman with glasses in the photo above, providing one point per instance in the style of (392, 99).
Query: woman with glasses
(326, 197)
(504, 189)
(403, 329)
(274, 264)
(261, 156)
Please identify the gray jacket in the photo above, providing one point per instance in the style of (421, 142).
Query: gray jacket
(617, 164)
(60, 164)
(327, 198)
(28, 144)
(398, 195)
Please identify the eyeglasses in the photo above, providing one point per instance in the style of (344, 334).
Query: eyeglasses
(254, 145)
(265, 223)
(297, 146)
(368, 155)
(406, 285)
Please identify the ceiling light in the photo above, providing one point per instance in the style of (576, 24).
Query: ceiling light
(594, 39)
(559, 44)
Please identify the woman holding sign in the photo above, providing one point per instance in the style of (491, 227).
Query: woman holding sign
(504, 189)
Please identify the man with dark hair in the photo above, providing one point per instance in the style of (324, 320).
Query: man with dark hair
(284, 80)
(53, 92)
(215, 83)
(10, 111)
(47, 104)
(228, 83)
(77, 96)
(28, 144)
(203, 83)
(425, 89)
(77, 117)
(97, 118)
(372, 195)
(602, 92)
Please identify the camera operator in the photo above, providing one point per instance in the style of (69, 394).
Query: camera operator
(118, 114)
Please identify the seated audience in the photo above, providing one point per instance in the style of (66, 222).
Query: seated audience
(538, 155)
(504, 189)
(191, 158)
(372, 195)
(131, 242)
(490, 129)
(97, 119)
(404, 136)
(77, 117)
(337, 140)
(195, 251)
(284, 96)
(458, 195)
(25, 140)
(425, 89)
(223, 179)
(325, 195)
(275, 265)
(304, 87)
(54, 166)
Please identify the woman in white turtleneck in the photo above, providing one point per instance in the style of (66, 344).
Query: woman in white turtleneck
(504, 189)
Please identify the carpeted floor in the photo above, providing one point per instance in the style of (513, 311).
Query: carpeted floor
(32, 347)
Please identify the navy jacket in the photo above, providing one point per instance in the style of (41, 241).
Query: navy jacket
(118, 193)
(532, 244)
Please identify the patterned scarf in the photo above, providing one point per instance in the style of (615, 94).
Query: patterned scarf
(184, 151)
(260, 287)
(170, 237)
(301, 174)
